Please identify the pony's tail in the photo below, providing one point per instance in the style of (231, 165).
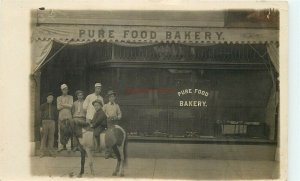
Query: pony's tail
(125, 150)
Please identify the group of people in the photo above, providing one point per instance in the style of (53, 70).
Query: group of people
(71, 116)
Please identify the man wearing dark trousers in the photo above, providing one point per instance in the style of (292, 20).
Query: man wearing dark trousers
(49, 116)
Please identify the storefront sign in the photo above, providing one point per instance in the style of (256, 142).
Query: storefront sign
(151, 35)
(192, 103)
(84, 33)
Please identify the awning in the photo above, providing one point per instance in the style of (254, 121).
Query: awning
(141, 28)
(151, 34)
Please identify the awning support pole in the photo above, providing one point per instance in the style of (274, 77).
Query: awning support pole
(47, 60)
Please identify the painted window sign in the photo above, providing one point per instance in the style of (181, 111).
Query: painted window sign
(192, 103)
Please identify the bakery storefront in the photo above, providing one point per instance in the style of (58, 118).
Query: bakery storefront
(183, 77)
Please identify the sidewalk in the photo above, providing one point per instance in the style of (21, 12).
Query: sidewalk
(159, 168)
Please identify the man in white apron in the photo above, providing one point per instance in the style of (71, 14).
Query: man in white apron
(88, 102)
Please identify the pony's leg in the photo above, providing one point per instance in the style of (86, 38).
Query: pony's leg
(116, 151)
(90, 158)
(82, 154)
(122, 157)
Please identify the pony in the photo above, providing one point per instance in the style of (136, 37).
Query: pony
(114, 138)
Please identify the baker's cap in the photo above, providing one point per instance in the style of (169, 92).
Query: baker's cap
(63, 86)
(98, 85)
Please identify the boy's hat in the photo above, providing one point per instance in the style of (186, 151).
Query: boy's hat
(98, 85)
(79, 92)
(110, 92)
(97, 101)
(63, 86)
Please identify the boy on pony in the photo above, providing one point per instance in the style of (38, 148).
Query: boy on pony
(98, 122)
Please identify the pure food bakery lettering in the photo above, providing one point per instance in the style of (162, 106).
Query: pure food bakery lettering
(197, 35)
(96, 33)
(192, 103)
(139, 34)
(143, 34)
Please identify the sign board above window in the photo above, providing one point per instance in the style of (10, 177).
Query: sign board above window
(85, 33)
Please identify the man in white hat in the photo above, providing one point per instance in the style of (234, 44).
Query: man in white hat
(64, 106)
(88, 102)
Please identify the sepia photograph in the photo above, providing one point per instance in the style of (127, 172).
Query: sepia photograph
(155, 94)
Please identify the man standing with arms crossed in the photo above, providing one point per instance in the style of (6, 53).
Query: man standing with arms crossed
(64, 106)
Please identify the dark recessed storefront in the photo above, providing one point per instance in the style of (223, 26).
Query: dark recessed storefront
(233, 83)
(212, 79)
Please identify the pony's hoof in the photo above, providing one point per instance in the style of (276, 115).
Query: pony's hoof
(114, 174)
(122, 175)
(79, 175)
(71, 174)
